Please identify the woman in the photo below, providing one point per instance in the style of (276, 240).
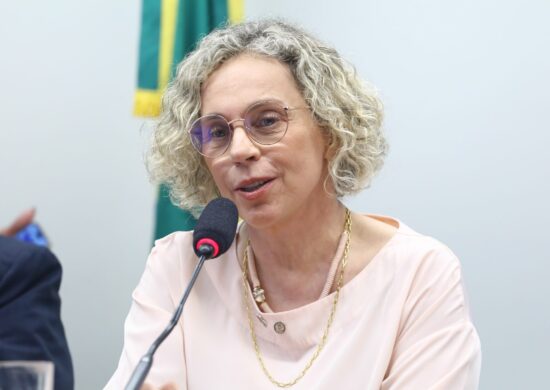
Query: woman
(310, 295)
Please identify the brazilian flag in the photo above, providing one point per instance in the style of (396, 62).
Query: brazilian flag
(169, 30)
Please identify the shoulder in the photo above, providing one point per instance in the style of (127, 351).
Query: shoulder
(24, 266)
(15, 252)
(173, 248)
(422, 251)
(170, 263)
(426, 270)
(398, 248)
(417, 264)
(409, 248)
(175, 237)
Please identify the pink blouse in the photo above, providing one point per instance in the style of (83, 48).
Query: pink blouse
(401, 323)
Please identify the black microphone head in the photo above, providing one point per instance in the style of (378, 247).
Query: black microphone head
(215, 228)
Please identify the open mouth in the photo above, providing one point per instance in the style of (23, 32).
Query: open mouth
(254, 186)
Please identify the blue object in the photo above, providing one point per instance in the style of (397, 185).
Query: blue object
(32, 234)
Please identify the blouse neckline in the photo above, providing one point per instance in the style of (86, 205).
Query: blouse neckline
(304, 325)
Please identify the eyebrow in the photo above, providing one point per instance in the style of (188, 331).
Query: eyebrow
(267, 100)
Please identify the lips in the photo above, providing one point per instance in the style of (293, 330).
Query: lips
(253, 185)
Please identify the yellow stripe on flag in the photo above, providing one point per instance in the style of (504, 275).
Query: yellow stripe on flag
(235, 10)
(168, 20)
(147, 102)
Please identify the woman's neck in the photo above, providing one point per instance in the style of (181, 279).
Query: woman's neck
(293, 259)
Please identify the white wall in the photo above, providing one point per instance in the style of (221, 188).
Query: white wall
(70, 147)
(467, 95)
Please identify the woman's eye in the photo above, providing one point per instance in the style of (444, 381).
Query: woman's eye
(218, 132)
(267, 121)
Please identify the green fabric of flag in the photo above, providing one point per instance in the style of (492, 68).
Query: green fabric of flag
(170, 218)
(149, 45)
(198, 18)
(169, 30)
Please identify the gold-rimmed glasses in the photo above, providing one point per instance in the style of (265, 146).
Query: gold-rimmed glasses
(265, 122)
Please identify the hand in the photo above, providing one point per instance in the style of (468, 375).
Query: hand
(168, 386)
(19, 223)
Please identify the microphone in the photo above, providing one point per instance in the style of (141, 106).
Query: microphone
(215, 230)
(213, 235)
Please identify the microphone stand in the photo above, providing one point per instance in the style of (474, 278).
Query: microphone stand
(145, 363)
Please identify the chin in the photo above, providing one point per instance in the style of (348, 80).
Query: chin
(260, 217)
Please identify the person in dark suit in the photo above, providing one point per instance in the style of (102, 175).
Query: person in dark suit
(30, 321)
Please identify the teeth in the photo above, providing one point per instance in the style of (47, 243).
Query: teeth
(253, 186)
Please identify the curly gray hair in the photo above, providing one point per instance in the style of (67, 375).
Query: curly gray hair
(344, 107)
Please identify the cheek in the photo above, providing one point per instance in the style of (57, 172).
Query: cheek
(312, 154)
(217, 173)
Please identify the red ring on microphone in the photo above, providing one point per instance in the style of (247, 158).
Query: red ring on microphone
(211, 242)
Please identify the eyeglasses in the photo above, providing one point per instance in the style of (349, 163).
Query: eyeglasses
(265, 123)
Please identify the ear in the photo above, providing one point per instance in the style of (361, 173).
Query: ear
(330, 145)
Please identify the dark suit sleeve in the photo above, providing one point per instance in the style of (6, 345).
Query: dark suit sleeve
(30, 321)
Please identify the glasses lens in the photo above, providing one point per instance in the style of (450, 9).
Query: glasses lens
(267, 122)
(210, 135)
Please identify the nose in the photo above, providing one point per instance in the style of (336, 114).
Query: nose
(242, 148)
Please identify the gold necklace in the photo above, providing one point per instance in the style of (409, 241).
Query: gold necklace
(344, 261)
